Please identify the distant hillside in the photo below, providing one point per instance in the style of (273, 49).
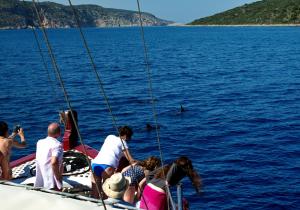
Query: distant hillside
(261, 12)
(15, 14)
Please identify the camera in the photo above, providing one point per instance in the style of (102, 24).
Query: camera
(17, 128)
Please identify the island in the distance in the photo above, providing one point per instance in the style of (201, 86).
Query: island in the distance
(265, 12)
(16, 14)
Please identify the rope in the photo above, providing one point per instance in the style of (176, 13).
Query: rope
(54, 94)
(99, 80)
(42, 56)
(57, 71)
(102, 91)
(94, 67)
(146, 59)
(53, 86)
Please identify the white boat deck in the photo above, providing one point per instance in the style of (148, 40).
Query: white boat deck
(80, 178)
(19, 193)
(16, 196)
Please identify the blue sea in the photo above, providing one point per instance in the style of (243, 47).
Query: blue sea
(239, 87)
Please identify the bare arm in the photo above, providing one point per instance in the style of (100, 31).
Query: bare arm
(142, 184)
(61, 171)
(56, 168)
(125, 169)
(128, 156)
(21, 144)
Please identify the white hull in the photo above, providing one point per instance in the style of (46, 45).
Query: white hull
(15, 196)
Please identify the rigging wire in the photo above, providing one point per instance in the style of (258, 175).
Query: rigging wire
(42, 55)
(102, 91)
(32, 27)
(146, 59)
(52, 83)
(57, 71)
(99, 80)
(98, 77)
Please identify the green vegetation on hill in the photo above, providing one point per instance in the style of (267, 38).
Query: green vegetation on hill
(260, 12)
(17, 14)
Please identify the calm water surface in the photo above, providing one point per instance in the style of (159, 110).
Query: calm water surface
(240, 88)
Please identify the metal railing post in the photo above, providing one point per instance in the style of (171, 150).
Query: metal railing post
(179, 196)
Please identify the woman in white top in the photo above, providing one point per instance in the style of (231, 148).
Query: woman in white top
(107, 160)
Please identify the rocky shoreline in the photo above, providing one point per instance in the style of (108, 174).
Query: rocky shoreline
(236, 25)
(16, 14)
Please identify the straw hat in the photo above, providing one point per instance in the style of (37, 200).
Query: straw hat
(115, 186)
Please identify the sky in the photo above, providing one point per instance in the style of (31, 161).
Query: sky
(181, 11)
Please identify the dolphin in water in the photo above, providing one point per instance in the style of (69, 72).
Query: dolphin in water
(181, 108)
(150, 127)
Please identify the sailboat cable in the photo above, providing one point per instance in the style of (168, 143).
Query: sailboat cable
(57, 71)
(102, 91)
(146, 58)
(53, 86)
(100, 83)
(42, 56)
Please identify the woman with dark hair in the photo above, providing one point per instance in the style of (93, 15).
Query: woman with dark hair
(107, 160)
(183, 167)
(155, 193)
(136, 173)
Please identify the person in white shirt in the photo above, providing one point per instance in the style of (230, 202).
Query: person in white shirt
(107, 160)
(49, 157)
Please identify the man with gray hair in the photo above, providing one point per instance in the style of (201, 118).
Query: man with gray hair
(49, 156)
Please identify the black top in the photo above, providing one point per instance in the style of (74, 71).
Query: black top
(159, 183)
(174, 175)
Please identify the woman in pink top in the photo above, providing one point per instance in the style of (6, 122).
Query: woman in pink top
(154, 195)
